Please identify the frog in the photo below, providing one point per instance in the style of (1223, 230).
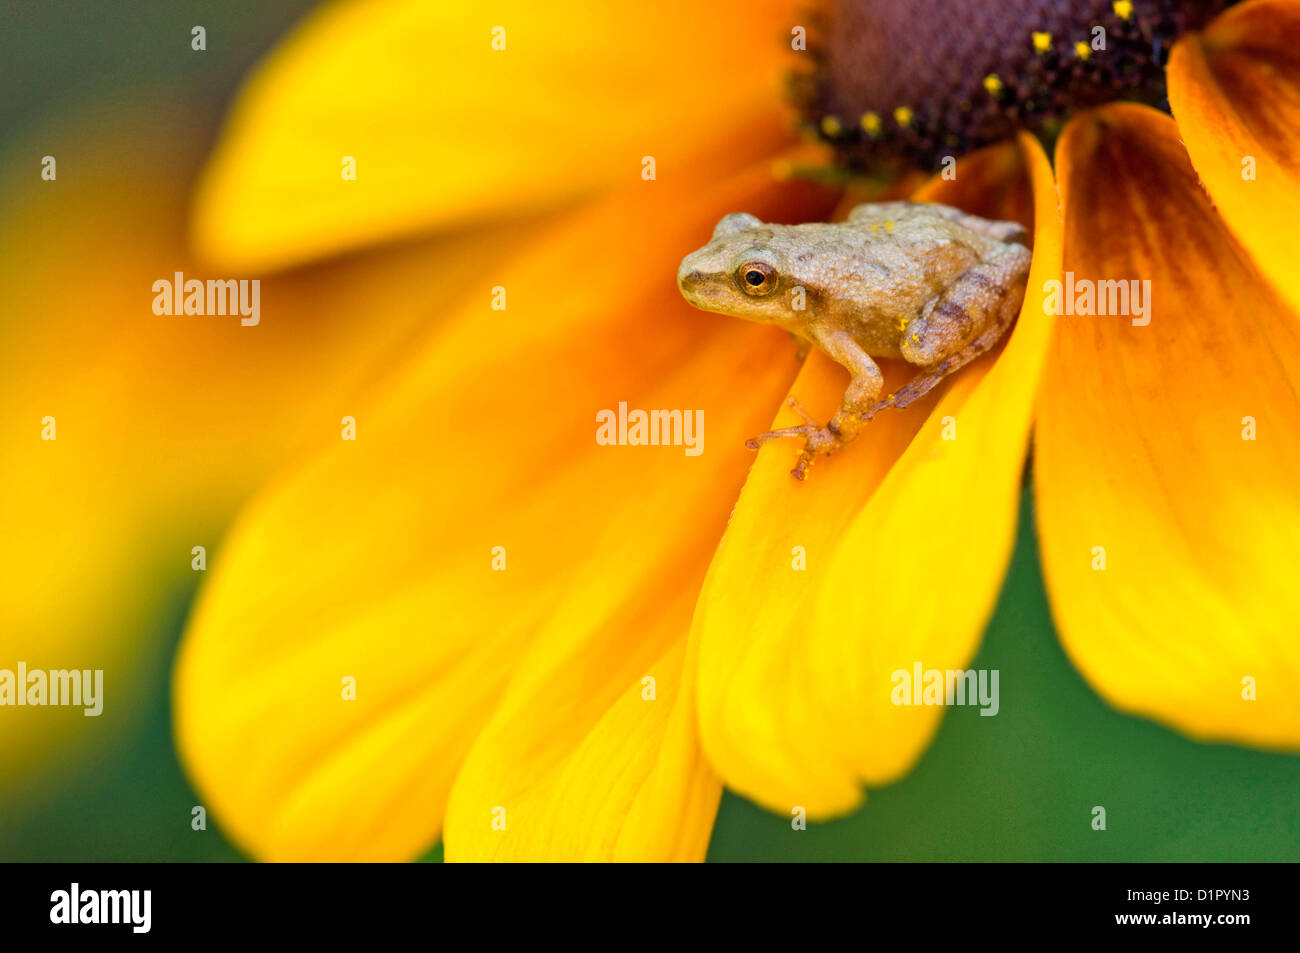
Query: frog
(921, 282)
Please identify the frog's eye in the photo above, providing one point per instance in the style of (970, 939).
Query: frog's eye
(757, 278)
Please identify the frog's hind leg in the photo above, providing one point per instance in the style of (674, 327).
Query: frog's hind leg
(930, 377)
(958, 326)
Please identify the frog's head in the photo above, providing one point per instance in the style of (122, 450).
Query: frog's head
(740, 272)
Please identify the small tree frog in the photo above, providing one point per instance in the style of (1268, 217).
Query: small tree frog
(926, 283)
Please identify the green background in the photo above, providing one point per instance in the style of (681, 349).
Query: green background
(1019, 786)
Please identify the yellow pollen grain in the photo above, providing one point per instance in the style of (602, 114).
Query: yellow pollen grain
(1082, 50)
(870, 124)
(875, 227)
(1123, 8)
(889, 226)
(832, 126)
(993, 83)
(1042, 41)
(902, 115)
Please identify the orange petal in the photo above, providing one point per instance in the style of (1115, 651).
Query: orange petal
(375, 560)
(905, 537)
(444, 129)
(1235, 90)
(1142, 458)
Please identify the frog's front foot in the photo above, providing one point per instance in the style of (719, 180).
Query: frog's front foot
(823, 442)
(809, 427)
(818, 440)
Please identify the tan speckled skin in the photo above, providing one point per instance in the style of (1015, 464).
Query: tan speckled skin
(923, 282)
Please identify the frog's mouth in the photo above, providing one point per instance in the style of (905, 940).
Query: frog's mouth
(901, 83)
(702, 288)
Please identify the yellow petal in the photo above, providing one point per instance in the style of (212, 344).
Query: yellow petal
(163, 424)
(443, 128)
(1235, 91)
(906, 537)
(375, 560)
(1140, 450)
(593, 753)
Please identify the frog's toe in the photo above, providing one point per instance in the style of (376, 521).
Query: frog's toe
(807, 431)
(824, 441)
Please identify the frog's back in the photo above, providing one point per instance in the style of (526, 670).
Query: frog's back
(892, 259)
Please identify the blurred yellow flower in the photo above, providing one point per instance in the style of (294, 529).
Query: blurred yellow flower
(162, 426)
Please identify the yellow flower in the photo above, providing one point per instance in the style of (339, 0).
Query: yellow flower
(588, 695)
(161, 426)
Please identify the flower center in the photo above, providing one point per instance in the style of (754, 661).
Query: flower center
(902, 82)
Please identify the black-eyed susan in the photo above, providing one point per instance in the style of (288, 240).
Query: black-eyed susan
(550, 655)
